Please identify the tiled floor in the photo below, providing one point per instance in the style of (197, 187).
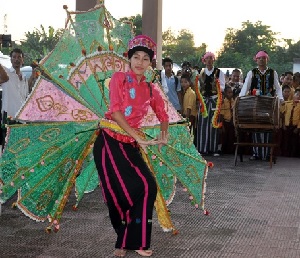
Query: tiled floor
(254, 212)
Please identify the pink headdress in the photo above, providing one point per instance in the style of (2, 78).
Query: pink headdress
(260, 54)
(206, 55)
(142, 43)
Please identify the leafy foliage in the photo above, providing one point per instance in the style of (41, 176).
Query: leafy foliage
(238, 49)
(39, 42)
(181, 48)
(240, 45)
(136, 23)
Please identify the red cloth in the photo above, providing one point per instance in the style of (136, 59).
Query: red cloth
(133, 99)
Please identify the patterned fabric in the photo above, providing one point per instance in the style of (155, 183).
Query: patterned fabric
(133, 98)
(47, 102)
(207, 136)
(142, 41)
(264, 82)
(208, 82)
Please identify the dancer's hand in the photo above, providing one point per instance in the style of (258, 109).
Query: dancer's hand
(162, 139)
(144, 143)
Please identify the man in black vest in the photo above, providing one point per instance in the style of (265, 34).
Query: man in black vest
(261, 80)
(208, 137)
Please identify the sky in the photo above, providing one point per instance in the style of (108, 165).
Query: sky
(208, 22)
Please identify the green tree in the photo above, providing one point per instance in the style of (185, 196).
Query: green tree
(181, 48)
(136, 23)
(168, 43)
(184, 48)
(293, 49)
(40, 42)
(240, 46)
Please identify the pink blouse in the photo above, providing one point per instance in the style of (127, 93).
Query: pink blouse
(133, 99)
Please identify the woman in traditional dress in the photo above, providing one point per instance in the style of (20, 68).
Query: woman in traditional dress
(129, 188)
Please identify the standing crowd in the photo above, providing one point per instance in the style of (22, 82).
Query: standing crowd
(213, 137)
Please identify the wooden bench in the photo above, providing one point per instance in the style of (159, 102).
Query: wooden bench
(252, 144)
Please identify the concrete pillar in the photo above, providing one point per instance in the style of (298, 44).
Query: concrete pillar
(84, 5)
(151, 18)
(152, 25)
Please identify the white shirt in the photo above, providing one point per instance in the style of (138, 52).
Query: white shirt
(248, 80)
(168, 84)
(14, 92)
(164, 82)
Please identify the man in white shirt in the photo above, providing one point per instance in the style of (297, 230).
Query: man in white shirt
(261, 80)
(14, 87)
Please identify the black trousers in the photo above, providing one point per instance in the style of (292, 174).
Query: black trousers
(129, 189)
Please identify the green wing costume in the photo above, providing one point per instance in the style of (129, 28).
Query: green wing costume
(50, 154)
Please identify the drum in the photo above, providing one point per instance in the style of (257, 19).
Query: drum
(256, 112)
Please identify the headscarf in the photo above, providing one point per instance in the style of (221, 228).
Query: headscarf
(142, 43)
(260, 54)
(206, 55)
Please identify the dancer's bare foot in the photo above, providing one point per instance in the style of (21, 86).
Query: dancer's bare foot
(144, 252)
(120, 252)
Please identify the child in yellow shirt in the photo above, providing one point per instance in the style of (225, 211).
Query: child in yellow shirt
(286, 91)
(228, 132)
(291, 127)
(189, 101)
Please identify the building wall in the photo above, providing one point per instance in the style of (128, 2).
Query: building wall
(296, 65)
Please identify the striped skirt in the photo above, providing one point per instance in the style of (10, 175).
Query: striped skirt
(129, 189)
(208, 137)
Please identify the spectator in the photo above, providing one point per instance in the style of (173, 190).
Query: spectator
(208, 137)
(295, 84)
(226, 113)
(235, 82)
(291, 127)
(169, 80)
(189, 101)
(14, 88)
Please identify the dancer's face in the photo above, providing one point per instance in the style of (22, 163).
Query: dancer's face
(139, 62)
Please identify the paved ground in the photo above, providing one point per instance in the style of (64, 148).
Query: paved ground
(254, 212)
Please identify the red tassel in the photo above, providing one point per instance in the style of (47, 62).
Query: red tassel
(210, 164)
(206, 212)
(48, 230)
(175, 232)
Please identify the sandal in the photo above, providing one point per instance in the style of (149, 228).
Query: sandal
(120, 252)
(145, 253)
